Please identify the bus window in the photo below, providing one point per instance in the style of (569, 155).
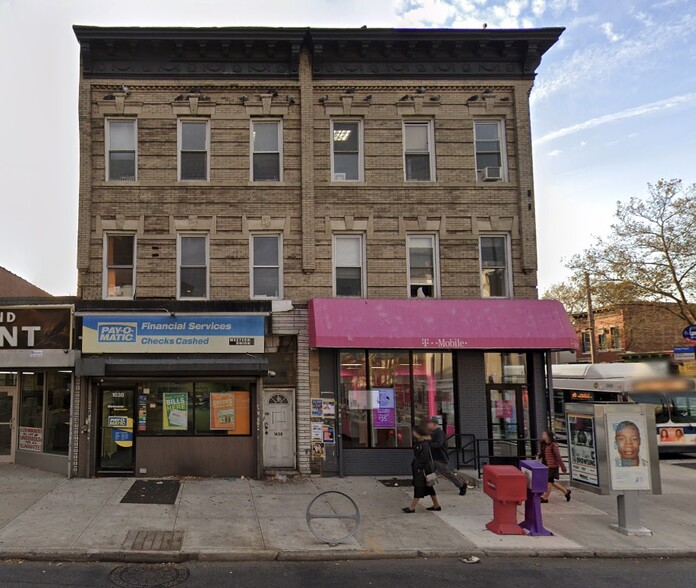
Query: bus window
(683, 408)
(558, 402)
(660, 403)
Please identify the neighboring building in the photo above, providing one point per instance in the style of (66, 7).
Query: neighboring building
(12, 286)
(631, 332)
(261, 212)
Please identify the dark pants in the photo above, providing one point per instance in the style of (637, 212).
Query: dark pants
(443, 469)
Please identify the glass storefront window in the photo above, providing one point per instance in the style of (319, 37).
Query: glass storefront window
(31, 406)
(222, 408)
(390, 383)
(506, 368)
(167, 408)
(8, 378)
(57, 434)
(433, 389)
(378, 406)
(353, 398)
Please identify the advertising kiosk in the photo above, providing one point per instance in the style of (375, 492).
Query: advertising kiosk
(612, 449)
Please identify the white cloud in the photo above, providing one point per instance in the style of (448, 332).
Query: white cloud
(554, 153)
(609, 33)
(601, 60)
(637, 111)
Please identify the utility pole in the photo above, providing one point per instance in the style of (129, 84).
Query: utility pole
(590, 319)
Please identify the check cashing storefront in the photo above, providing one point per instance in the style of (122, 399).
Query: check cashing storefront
(36, 385)
(172, 392)
(478, 366)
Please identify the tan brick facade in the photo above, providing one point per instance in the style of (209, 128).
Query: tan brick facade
(386, 208)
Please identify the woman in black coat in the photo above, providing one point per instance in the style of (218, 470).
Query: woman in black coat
(421, 466)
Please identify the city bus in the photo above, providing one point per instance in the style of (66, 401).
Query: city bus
(674, 398)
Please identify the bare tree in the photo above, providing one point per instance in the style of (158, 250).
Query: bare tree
(650, 255)
(570, 294)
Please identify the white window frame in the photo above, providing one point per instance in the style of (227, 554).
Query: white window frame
(361, 149)
(584, 349)
(503, 148)
(105, 267)
(179, 146)
(508, 273)
(431, 144)
(178, 266)
(363, 272)
(107, 149)
(279, 122)
(252, 265)
(436, 263)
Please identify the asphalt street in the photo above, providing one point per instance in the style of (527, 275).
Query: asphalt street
(490, 572)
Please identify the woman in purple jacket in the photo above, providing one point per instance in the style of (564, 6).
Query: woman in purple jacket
(550, 456)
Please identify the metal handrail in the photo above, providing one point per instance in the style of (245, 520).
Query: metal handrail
(483, 449)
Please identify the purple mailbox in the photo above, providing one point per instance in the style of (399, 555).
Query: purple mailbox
(537, 479)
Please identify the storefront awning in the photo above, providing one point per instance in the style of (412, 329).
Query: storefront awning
(179, 366)
(439, 324)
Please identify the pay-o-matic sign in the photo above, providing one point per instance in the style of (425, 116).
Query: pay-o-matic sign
(172, 334)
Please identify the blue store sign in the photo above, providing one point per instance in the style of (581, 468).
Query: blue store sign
(690, 333)
(172, 334)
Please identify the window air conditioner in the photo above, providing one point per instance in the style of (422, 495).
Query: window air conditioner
(340, 177)
(492, 174)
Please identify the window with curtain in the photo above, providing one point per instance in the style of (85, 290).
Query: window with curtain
(120, 266)
(422, 266)
(418, 156)
(494, 266)
(346, 151)
(193, 150)
(121, 150)
(266, 145)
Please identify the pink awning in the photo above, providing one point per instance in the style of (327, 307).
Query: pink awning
(440, 324)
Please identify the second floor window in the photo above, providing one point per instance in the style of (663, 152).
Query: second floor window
(422, 266)
(615, 337)
(266, 271)
(266, 145)
(346, 140)
(586, 342)
(119, 266)
(348, 265)
(121, 150)
(495, 268)
(418, 151)
(193, 266)
(489, 151)
(602, 340)
(193, 149)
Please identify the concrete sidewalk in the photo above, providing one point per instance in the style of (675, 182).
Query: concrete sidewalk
(44, 516)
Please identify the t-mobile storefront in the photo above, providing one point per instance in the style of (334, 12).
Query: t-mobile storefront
(388, 365)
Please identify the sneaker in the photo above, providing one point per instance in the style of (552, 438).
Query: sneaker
(462, 490)
(568, 496)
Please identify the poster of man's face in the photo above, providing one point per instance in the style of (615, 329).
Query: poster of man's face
(628, 450)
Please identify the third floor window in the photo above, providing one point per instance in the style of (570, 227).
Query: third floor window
(266, 144)
(194, 145)
(346, 151)
(419, 158)
(121, 150)
(490, 164)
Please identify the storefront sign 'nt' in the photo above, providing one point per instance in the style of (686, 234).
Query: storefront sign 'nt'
(172, 334)
(35, 328)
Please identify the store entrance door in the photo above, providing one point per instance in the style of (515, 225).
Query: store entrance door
(508, 420)
(7, 424)
(116, 451)
(278, 429)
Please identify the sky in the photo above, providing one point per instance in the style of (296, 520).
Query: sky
(613, 107)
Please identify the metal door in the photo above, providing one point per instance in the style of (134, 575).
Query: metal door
(116, 431)
(278, 429)
(8, 438)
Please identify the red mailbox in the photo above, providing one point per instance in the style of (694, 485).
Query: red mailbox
(507, 486)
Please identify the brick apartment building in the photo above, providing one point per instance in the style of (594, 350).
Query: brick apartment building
(296, 244)
(631, 331)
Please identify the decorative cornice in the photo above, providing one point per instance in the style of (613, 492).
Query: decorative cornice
(273, 53)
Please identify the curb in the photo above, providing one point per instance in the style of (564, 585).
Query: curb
(81, 555)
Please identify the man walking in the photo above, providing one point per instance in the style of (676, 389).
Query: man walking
(438, 447)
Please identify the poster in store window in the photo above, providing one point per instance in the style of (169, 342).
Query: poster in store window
(384, 415)
(317, 408)
(223, 416)
(175, 411)
(31, 438)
